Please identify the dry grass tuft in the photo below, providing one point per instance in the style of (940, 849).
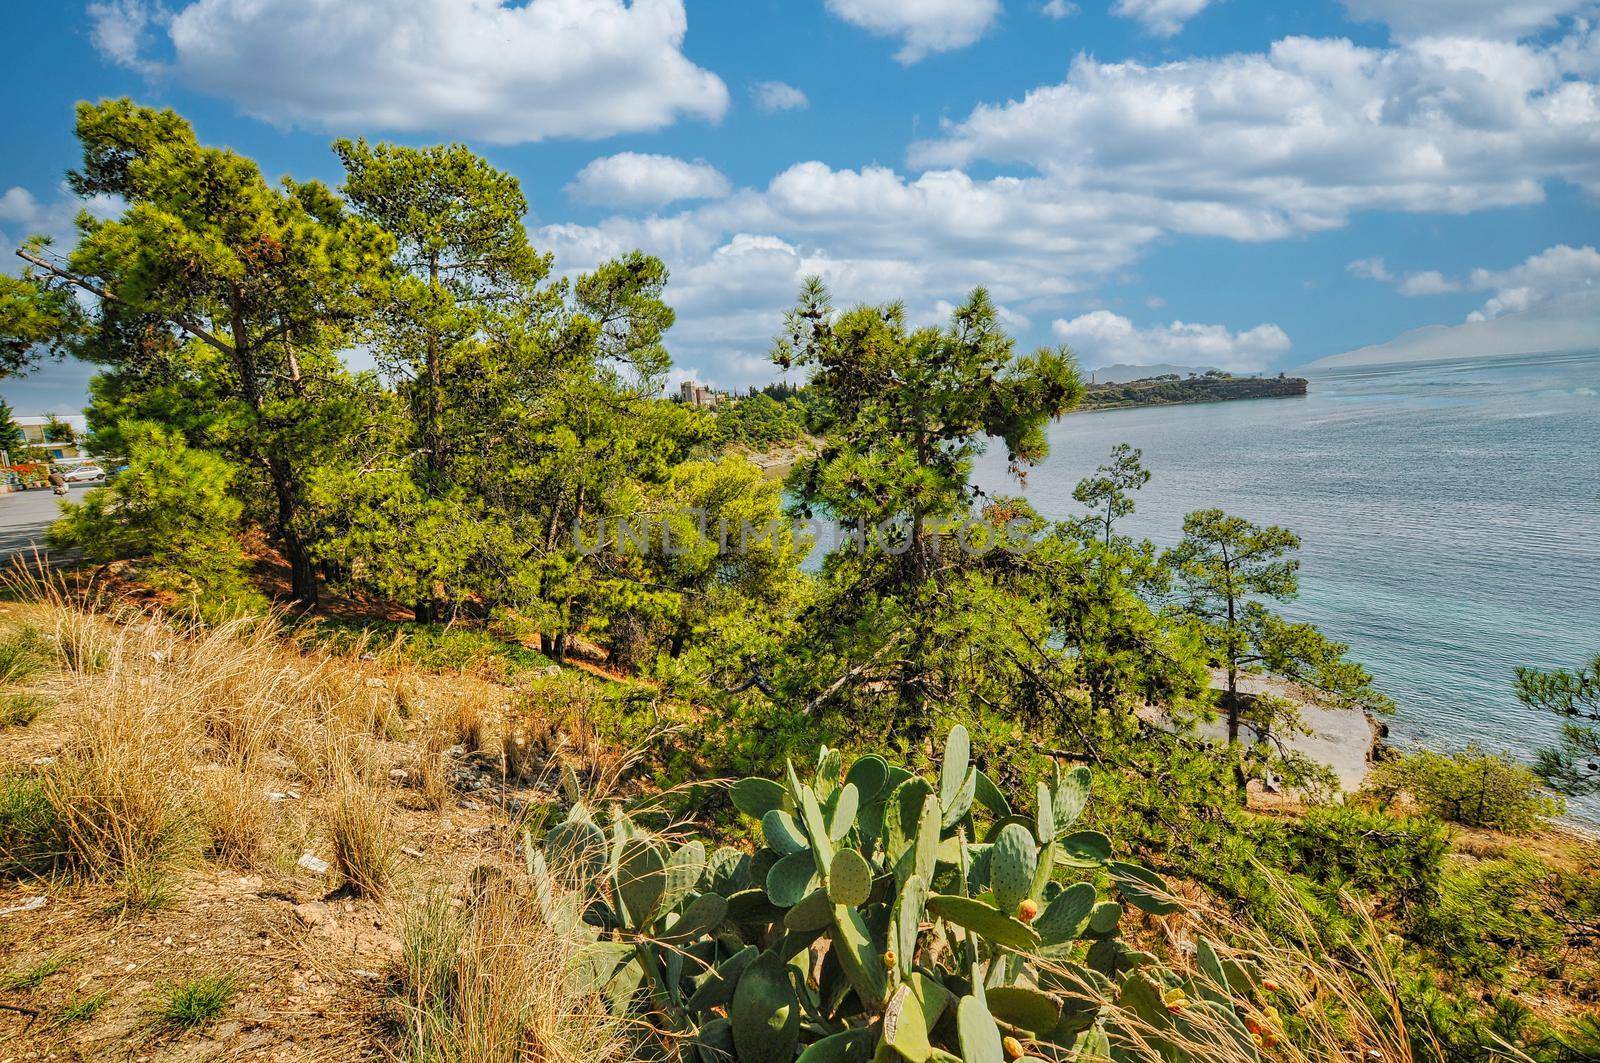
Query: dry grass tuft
(490, 980)
(362, 833)
(237, 818)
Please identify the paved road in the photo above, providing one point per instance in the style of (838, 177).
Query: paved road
(24, 515)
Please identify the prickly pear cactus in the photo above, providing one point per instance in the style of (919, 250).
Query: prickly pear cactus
(884, 917)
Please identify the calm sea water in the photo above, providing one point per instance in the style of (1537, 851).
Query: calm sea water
(1450, 516)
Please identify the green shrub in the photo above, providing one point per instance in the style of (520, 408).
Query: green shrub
(1473, 788)
(1398, 859)
(172, 511)
(1491, 915)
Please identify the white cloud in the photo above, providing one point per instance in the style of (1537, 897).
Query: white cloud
(1478, 18)
(874, 235)
(120, 30)
(1260, 146)
(923, 27)
(1553, 275)
(630, 179)
(496, 70)
(1371, 269)
(1058, 9)
(774, 96)
(1104, 337)
(23, 214)
(1164, 18)
(1428, 282)
(1251, 147)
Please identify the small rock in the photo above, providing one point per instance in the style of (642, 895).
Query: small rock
(42, 762)
(32, 904)
(473, 806)
(314, 914)
(399, 774)
(312, 863)
(552, 669)
(375, 683)
(371, 976)
(277, 795)
(415, 854)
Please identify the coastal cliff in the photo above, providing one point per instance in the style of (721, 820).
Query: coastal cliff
(1172, 390)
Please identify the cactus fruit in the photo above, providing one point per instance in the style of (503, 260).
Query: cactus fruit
(1013, 1047)
(1028, 910)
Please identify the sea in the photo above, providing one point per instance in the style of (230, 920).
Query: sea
(1449, 514)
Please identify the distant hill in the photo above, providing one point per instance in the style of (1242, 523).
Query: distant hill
(1121, 373)
(1175, 389)
(1571, 324)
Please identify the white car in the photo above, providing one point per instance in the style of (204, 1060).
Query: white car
(84, 474)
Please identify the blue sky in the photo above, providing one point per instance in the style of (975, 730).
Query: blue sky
(1240, 183)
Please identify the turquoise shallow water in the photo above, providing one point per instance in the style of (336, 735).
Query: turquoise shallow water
(1450, 516)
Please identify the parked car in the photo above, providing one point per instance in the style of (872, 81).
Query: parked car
(85, 474)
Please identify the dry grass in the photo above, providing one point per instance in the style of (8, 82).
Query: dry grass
(362, 834)
(1303, 998)
(488, 980)
(172, 730)
(466, 717)
(237, 818)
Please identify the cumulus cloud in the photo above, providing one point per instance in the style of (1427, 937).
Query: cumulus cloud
(774, 96)
(1164, 18)
(1083, 176)
(1558, 274)
(923, 28)
(1370, 269)
(1428, 282)
(1104, 337)
(630, 179)
(23, 214)
(1259, 146)
(1553, 275)
(497, 70)
(874, 235)
(1058, 9)
(1479, 18)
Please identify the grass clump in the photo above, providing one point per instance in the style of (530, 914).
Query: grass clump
(25, 652)
(19, 708)
(193, 1002)
(30, 978)
(82, 1009)
(363, 840)
(491, 980)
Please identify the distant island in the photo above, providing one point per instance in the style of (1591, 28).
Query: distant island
(1172, 389)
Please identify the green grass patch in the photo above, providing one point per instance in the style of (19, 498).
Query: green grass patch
(28, 979)
(19, 708)
(437, 647)
(30, 829)
(192, 1002)
(25, 652)
(83, 1009)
